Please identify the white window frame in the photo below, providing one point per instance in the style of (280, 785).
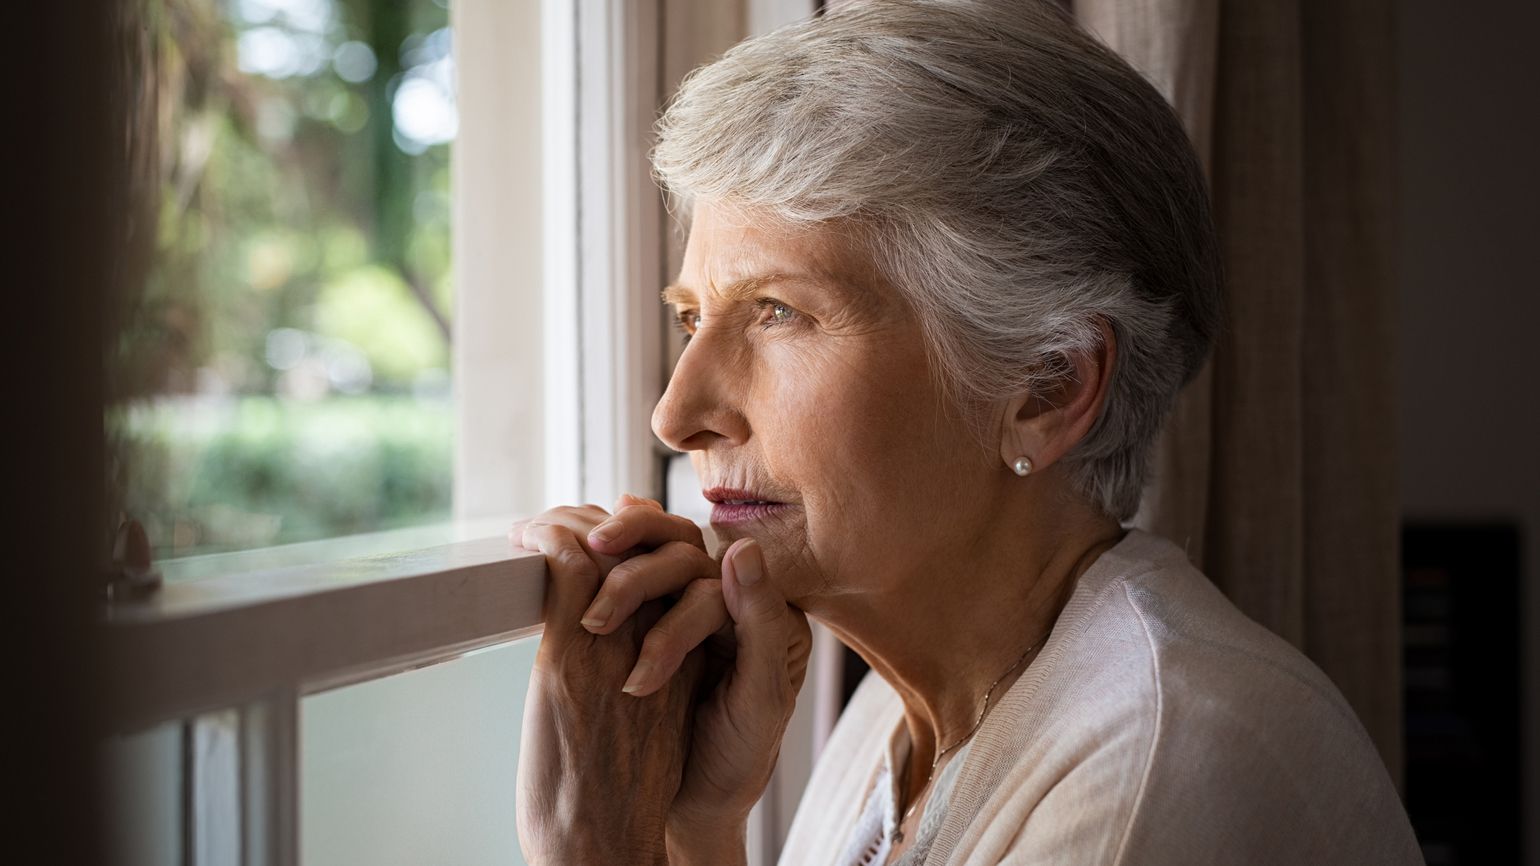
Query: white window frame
(560, 354)
(200, 649)
(604, 267)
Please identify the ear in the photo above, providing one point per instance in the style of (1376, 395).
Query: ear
(1043, 426)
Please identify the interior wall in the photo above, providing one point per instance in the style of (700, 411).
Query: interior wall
(1469, 418)
(65, 193)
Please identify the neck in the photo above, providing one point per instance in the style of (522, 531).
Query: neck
(942, 631)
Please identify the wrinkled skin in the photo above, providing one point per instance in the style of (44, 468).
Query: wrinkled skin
(580, 728)
(807, 383)
(671, 768)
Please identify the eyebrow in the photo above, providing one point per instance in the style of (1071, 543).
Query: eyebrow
(738, 290)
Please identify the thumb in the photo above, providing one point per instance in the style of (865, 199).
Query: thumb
(761, 626)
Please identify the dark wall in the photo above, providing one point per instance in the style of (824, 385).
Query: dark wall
(1470, 295)
(57, 194)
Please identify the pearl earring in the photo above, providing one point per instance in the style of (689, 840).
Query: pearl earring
(1022, 466)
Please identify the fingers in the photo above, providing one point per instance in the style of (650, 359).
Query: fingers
(698, 615)
(772, 637)
(572, 576)
(646, 525)
(665, 571)
(578, 519)
(604, 569)
(632, 499)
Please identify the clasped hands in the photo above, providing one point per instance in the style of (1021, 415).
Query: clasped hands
(661, 690)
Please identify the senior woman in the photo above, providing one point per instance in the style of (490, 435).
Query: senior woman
(949, 264)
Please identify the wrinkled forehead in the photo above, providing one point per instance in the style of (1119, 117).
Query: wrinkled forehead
(738, 248)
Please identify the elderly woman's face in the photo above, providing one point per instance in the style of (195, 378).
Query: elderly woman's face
(806, 401)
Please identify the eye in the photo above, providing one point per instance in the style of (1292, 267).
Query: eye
(775, 313)
(688, 322)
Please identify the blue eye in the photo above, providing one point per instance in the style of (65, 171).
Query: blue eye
(778, 313)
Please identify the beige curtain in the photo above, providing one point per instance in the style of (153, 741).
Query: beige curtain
(1277, 471)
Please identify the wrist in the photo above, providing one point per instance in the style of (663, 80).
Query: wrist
(693, 844)
(646, 853)
(598, 842)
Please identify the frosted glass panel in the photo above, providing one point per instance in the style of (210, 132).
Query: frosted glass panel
(144, 796)
(416, 768)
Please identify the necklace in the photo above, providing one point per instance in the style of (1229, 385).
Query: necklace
(897, 836)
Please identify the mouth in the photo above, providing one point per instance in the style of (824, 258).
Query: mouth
(733, 505)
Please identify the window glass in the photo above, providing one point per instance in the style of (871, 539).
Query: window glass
(419, 767)
(283, 372)
(142, 788)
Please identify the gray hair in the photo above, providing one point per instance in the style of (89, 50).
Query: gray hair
(1016, 180)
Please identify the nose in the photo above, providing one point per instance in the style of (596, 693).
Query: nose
(702, 404)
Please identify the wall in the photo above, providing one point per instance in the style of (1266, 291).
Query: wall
(1470, 300)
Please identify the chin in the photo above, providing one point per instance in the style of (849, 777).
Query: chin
(785, 560)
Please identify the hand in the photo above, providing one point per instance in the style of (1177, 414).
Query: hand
(671, 560)
(598, 768)
(757, 651)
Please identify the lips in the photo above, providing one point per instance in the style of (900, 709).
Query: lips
(731, 505)
(738, 496)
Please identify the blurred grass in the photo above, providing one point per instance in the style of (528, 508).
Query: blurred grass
(217, 474)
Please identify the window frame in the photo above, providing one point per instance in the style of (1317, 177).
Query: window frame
(200, 649)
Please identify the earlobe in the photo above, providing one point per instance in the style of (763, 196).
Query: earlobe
(1020, 439)
(1040, 428)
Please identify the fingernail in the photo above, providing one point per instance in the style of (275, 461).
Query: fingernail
(598, 614)
(746, 566)
(639, 677)
(604, 532)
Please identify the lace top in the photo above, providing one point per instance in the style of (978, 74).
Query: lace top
(870, 842)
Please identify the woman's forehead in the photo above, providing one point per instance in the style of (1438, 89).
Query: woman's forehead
(731, 253)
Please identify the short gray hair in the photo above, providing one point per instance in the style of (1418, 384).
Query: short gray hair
(1015, 179)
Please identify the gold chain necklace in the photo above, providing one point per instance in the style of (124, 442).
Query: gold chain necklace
(897, 837)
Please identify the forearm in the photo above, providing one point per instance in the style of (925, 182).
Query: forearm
(696, 847)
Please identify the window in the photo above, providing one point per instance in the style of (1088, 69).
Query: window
(305, 703)
(284, 375)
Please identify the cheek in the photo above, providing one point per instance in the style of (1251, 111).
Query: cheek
(836, 419)
(857, 433)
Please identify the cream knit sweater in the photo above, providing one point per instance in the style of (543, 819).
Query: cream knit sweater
(1158, 726)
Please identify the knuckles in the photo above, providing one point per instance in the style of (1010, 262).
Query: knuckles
(634, 512)
(571, 558)
(707, 587)
(688, 552)
(574, 514)
(663, 645)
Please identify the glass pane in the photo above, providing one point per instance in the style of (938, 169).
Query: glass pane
(143, 785)
(420, 767)
(283, 371)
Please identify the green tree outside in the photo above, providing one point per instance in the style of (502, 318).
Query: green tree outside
(284, 372)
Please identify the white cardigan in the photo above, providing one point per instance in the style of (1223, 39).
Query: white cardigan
(1158, 726)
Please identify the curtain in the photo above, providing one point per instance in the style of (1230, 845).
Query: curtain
(1277, 468)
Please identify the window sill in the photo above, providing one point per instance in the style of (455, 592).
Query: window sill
(234, 628)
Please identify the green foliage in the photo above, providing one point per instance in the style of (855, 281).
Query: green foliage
(227, 474)
(278, 183)
(372, 308)
(291, 211)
